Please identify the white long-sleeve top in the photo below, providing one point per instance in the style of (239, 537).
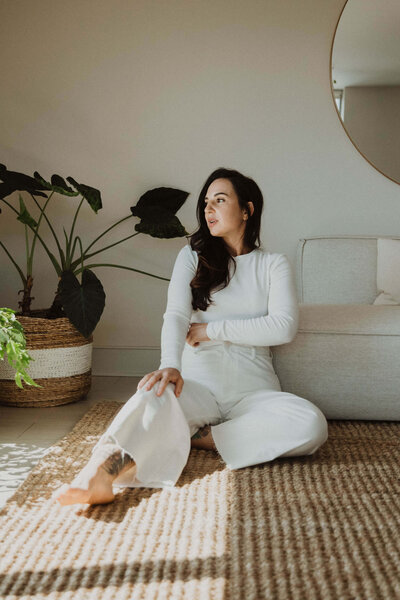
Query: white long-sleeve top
(257, 308)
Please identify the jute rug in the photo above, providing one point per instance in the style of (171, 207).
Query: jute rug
(325, 526)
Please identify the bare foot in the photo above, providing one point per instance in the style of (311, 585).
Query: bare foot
(87, 488)
(93, 485)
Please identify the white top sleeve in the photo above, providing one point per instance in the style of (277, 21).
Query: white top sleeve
(179, 310)
(279, 326)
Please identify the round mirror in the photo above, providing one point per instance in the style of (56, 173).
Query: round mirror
(365, 80)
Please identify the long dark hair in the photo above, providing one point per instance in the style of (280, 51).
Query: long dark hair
(213, 271)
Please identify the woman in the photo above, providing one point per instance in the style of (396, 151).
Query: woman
(228, 302)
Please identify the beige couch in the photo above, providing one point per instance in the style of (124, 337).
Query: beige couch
(345, 357)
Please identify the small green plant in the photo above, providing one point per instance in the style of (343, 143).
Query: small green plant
(82, 302)
(13, 346)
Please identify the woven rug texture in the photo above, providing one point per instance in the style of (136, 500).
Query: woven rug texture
(318, 527)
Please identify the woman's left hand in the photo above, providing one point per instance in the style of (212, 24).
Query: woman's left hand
(197, 333)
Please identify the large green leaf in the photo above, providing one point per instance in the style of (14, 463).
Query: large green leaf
(13, 181)
(156, 209)
(169, 199)
(90, 194)
(57, 184)
(166, 229)
(83, 303)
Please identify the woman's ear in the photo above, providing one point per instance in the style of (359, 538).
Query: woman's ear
(251, 207)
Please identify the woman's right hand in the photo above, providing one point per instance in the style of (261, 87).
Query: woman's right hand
(165, 376)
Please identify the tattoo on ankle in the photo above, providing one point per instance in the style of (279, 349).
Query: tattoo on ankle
(116, 462)
(201, 433)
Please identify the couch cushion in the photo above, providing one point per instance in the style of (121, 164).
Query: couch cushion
(337, 270)
(362, 319)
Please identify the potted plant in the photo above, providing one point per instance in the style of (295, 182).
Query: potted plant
(13, 347)
(60, 337)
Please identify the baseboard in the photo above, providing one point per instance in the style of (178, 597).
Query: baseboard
(133, 362)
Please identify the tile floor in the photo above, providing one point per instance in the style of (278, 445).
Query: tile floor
(26, 433)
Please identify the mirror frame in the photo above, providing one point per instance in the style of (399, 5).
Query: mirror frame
(335, 105)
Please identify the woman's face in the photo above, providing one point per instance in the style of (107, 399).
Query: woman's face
(222, 211)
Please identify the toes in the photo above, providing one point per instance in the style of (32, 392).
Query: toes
(70, 495)
(59, 492)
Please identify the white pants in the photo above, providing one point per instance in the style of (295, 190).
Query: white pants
(231, 387)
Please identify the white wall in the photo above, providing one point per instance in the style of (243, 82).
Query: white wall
(371, 118)
(127, 95)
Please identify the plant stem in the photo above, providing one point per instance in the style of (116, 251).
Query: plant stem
(14, 263)
(27, 281)
(62, 256)
(72, 265)
(28, 258)
(86, 256)
(25, 305)
(122, 267)
(51, 256)
(40, 218)
(69, 258)
(82, 256)
(104, 232)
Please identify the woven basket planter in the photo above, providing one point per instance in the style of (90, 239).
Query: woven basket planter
(62, 364)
